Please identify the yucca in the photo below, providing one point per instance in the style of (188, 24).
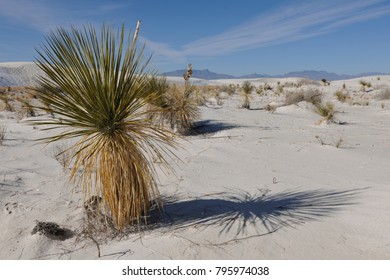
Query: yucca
(94, 84)
(247, 88)
(182, 109)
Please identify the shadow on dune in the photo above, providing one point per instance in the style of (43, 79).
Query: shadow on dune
(209, 127)
(263, 212)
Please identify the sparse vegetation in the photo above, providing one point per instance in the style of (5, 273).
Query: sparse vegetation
(6, 100)
(364, 85)
(341, 96)
(3, 132)
(337, 143)
(327, 111)
(311, 95)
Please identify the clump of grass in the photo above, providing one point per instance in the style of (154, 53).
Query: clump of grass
(311, 95)
(181, 110)
(364, 85)
(3, 133)
(247, 89)
(229, 89)
(94, 83)
(341, 96)
(6, 100)
(326, 111)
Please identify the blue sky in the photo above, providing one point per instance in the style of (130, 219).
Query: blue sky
(232, 37)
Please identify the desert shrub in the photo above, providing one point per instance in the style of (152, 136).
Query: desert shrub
(327, 111)
(260, 90)
(94, 82)
(247, 89)
(181, 110)
(230, 89)
(310, 95)
(341, 96)
(364, 85)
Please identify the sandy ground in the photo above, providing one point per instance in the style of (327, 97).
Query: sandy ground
(250, 185)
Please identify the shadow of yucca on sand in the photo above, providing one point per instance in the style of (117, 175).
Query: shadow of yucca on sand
(208, 127)
(262, 212)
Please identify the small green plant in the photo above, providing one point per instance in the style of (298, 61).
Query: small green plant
(344, 86)
(383, 105)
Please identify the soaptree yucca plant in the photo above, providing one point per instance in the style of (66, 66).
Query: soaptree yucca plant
(181, 109)
(247, 88)
(94, 83)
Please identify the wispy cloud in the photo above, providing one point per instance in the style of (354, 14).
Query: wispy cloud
(35, 14)
(44, 15)
(296, 21)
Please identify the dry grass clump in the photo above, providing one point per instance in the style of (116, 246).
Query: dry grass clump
(6, 99)
(327, 111)
(181, 107)
(341, 96)
(229, 89)
(95, 86)
(174, 105)
(311, 95)
(3, 133)
(364, 85)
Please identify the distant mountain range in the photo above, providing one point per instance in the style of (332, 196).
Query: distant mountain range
(307, 74)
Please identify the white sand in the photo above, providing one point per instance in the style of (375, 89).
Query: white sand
(252, 185)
